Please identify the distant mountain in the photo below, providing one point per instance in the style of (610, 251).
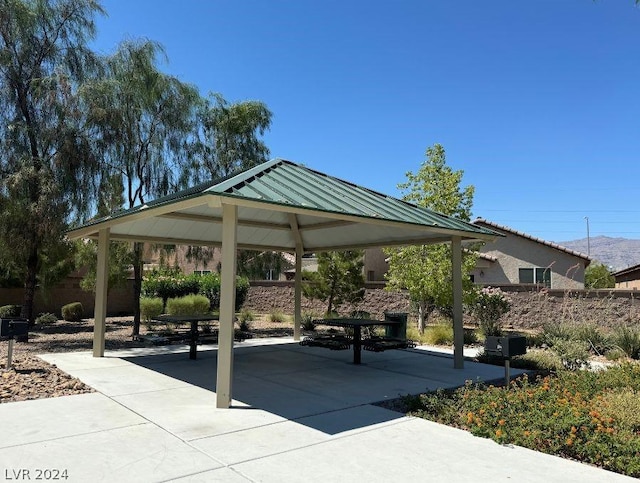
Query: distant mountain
(618, 253)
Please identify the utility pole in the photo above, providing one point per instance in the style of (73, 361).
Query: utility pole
(588, 238)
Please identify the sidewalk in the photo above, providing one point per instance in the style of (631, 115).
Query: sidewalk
(299, 414)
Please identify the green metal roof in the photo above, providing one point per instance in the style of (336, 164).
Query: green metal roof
(329, 214)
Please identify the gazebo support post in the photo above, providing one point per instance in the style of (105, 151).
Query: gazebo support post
(458, 328)
(297, 316)
(227, 306)
(102, 281)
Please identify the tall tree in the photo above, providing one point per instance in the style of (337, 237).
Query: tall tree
(338, 280)
(598, 276)
(144, 123)
(46, 167)
(231, 141)
(231, 136)
(426, 271)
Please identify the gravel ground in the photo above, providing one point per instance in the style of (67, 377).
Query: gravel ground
(32, 378)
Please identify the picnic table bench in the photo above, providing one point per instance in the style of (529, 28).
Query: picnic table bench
(193, 335)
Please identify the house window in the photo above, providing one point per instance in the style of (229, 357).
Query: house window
(371, 274)
(201, 272)
(536, 275)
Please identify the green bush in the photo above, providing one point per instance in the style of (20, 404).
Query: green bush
(489, 306)
(471, 337)
(595, 338)
(72, 312)
(627, 339)
(242, 290)
(150, 307)
(188, 305)
(277, 315)
(46, 319)
(537, 360)
(553, 331)
(307, 322)
(169, 283)
(10, 310)
(441, 334)
(574, 354)
(210, 288)
(360, 314)
(246, 317)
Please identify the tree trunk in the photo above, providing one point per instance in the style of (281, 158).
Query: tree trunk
(30, 287)
(137, 286)
(422, 308)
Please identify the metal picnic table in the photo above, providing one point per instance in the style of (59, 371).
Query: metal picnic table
(357, 325)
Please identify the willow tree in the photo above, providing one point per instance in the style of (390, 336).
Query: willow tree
(425, 271)
(230, 140)
(144, 122)
(46, 167)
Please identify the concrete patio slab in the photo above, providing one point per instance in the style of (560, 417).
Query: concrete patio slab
(138, 453)
(297, 415)
(59, 417)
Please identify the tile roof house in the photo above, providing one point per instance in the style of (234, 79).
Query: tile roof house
(628, 278)
(518, 258)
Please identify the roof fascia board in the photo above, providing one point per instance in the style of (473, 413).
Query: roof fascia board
(143, 212)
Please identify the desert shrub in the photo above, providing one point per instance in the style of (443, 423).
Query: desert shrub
(277, 315)
(245, 319)
(488, 308)
(10, 310)
(591, 334)
(46, 319)
(150, 307)
(574, 354)
(535, 340)
(414, 334)
(72, 312)
(188, 305)
(470, 337)
(627, 339)
(440, 334)
(307, 322)
(538, 360)
(556, 330)
(615, 354)
(360, 314)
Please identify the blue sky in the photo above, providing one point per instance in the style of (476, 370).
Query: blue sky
(536, 101)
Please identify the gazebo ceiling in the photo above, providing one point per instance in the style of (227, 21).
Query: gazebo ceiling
(279, 204)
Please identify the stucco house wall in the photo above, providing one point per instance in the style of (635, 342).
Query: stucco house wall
(518, 250)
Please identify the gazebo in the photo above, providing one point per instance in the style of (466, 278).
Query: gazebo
(279, 206)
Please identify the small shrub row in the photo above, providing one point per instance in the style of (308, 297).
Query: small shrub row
(171, 283)
(579, 341)
(188, 305)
